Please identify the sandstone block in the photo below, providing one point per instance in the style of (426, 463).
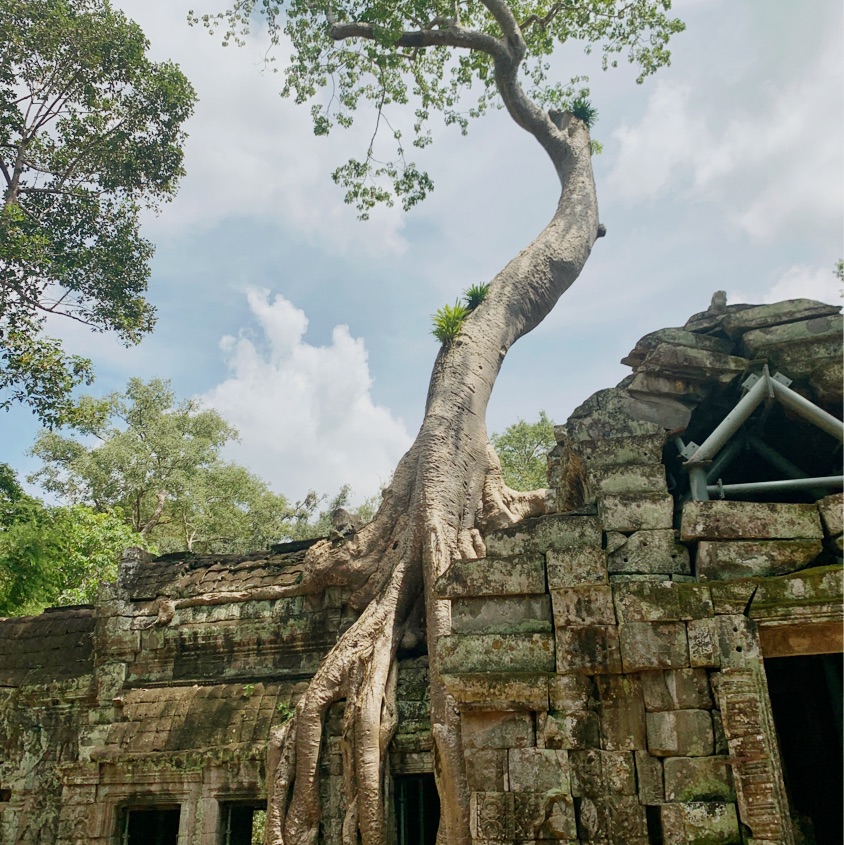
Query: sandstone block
(588, 650)
(680, 733)
(586, 605)
(676, 689)
(657, 601)
(627, 821)
(629, 478)
(521, 575)
(698, 779)
(576, 567)
(575, 729)
(832, 513)
(542, 817)
(509, 615)
(611, 413)
(753, 558)
(827, 381)
(615, 451)
(467, 653)
(537, 536)
(674, 337)
(737, 322)
(728, 520)
(485, 730)
(646, 552)
(803, 360)
(619, 772)
(486, 769)
(491, 815)
(703, 643)
(700, 824)
(587, 778)
(649, 778)
(824, 328)
(697, 364)
(653, 645)
(499, 691)
(630, 512)
(538, 770)
(622, 713)
(570, 692)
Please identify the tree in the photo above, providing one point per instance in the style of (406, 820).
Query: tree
(158, 463)
(90, 131)
(53, 555)
(447, 490)
(522, 449)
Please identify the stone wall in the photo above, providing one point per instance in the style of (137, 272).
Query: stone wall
(606, 659)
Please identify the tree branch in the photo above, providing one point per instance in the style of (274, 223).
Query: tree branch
(452, 36)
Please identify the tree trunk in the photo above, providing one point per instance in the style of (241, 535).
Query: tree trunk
(447, 490)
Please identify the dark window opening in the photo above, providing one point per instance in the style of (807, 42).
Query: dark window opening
(5, 795)
(806, 698)
(150, 825)
(243, 823)
(417, 808)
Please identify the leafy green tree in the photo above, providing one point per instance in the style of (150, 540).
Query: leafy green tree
(456, 58)
(523, 448)
(90, 132)
(158, 463)
(54, 555)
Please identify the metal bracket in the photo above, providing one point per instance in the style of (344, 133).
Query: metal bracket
(689, 449)
(750, 381)
(782, 379)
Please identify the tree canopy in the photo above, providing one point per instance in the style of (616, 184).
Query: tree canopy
(90, 133)
(446, 57)
(523, 449)
(157, 461)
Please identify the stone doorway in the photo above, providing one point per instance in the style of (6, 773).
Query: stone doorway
(417, 809)
(150, 825)
(806, 699)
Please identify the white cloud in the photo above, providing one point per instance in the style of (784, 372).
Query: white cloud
(774, 165)
(250, 153)
(306, 415)
(799, 282)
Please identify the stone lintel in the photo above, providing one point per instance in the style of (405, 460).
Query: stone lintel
(728, 520)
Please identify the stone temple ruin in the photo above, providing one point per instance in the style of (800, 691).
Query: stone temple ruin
(655, 662)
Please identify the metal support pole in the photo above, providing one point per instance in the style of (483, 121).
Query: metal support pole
(731, 423)
(698, 483)
(726, 456)
(826, 482)
(808, 410)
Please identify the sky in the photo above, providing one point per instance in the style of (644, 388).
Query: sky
(310, 331)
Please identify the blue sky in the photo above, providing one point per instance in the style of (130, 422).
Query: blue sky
(310, 331)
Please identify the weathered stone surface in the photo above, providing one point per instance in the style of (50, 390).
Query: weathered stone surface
(684, 361)
(642, 449)
(499, 691)
(721, 560)
(537, 536)
(737, 322)
(653, 645)
(491, 815)
(629, 478)
(510, 615)
(627, 822)
(802, 332)
(572, 729)
(785, 639)
(589, 605)
(636, 512)
(489, 730)
(609, 414)
(649, 778)
(461, 653)
(586, 775)
(832, 513)
(652, 385)
(661, 601)
(538, 770)
(801, 361)
(571, 692)
(649, 552)
(521, 575)
(676, 689)
(827, 382)
(592, 820)
(619, 772)
(588, 649)
(486, 769)
(703, 643)
(700, 824)
(680, 733)
(698, 779)
(574, 567)
(622, 712)
(540, 817)
(728, 520)
(674, 337)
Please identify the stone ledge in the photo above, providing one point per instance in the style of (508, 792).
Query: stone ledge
(729, 520)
